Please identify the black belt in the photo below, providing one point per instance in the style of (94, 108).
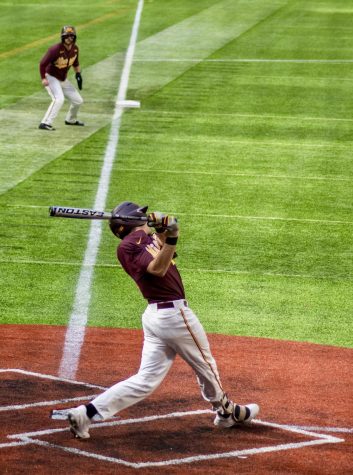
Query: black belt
(163, 305)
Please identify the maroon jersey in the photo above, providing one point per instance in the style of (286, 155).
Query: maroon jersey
(135, 252)
(58, 60)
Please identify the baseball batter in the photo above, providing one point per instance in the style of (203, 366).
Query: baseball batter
(170, 326)
(53, 68)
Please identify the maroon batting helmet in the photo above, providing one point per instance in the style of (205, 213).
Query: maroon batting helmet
(68, 31)
(121, 227)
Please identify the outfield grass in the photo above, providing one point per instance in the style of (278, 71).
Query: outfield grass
(253, 155)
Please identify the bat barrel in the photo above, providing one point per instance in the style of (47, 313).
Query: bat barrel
(77, 213)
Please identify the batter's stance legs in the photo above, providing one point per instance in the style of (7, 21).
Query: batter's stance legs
(160, 348)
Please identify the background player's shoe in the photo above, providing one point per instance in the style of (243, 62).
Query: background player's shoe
(241, 414)
(44, 126)
(79, 422)
(77, 122)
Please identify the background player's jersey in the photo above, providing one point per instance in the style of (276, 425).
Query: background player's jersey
(135, 252)
(58, 60)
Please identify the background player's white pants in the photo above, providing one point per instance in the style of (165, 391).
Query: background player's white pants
(166, 333)
(58, 90)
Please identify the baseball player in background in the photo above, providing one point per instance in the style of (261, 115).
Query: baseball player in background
(170, 326)
(53, 68)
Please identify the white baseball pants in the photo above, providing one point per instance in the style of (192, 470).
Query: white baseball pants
(167, 332)
(58, 90)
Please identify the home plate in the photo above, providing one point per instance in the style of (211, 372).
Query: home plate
(129, 104)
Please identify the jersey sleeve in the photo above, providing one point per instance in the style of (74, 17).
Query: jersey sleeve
(134, 259)
(47, 58)
(76, 62)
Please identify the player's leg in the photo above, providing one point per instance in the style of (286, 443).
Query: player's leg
(75, 98)
(193, 346)
(191, 343)
(157, 358)
(156, 361)
(57, 100)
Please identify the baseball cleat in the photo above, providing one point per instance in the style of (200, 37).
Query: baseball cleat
(77, 122)
(240, 414)
(79, 422)
(44, 126)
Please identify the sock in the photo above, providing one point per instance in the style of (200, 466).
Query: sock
(91, 410)
(241, 413)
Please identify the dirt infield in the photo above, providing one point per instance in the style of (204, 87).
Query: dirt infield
(305, 392)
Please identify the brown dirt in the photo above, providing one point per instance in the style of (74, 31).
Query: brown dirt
(295, 383)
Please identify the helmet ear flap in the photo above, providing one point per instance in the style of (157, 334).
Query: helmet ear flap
(121, 227)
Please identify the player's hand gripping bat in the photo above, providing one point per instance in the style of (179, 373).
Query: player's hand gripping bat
(161, 221)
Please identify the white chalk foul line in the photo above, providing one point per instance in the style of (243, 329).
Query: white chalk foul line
(15, 444)
(337, 430)
(316, 439)
(77, 325)
(19, 407)
(51, 377)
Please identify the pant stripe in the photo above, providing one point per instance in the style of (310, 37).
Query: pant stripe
(200, 349)
(51, 106)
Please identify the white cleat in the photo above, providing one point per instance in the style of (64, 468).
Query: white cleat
(241, 414)
(79, 422)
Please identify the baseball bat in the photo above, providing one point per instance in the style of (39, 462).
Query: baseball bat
(86, 213)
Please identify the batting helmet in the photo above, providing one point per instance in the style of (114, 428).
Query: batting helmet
(68, 31)
(121, 227)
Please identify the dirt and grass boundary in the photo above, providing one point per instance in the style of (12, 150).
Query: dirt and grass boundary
(304, 390)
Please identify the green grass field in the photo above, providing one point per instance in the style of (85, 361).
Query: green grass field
(245, 132)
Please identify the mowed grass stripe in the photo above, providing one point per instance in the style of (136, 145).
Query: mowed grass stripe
(201, 34)
(250, 244)
(55, 37)
(183, 269)
(309, 200)
(242, 60)
(232, 128)
(248, 175)
(158, 151)
(250, 116)
(273, 144)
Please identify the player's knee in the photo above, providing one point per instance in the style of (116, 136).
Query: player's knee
(59, 101)
(78, 101)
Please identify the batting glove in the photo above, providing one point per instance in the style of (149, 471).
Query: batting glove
(79, 80)
(162, 222)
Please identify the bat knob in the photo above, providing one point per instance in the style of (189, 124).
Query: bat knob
(51, 211)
